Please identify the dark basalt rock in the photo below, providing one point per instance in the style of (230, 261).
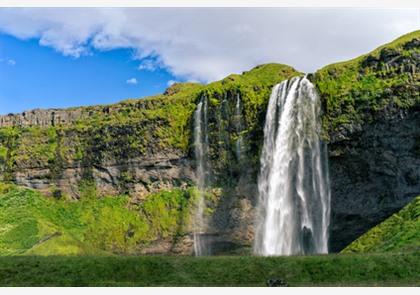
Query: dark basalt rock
(373, 174)
(415, 43)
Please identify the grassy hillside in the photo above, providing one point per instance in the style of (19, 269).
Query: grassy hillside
(331, 270)
(400, 232)
(31, 224)
(359, 90)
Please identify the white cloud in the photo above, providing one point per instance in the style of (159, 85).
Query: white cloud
(7, 61)
(208, 44)
(171, 82)
(132, 81)
(149, 65)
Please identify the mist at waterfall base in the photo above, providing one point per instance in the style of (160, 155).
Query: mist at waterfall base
(294, 198)
(293, 188)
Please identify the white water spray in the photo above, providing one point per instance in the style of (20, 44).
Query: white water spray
(201, 148)
(294, 197)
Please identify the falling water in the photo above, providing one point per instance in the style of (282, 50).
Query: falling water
(294, 196)
(238, 123)
(201, 146)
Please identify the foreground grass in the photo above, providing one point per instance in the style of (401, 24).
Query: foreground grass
(328, 270)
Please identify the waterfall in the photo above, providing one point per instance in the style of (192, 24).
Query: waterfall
(201, 148)
(294, 197)
(239, 127)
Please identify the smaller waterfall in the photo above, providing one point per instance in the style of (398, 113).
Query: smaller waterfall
(201, 149)
(294, 204)
(239, 128)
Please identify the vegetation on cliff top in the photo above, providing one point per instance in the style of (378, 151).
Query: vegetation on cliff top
(381, 82)
(128, 129)
(400, 232)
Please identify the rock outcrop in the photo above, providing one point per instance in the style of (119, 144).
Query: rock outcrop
(42, 118)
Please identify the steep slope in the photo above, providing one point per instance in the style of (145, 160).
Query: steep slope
(400, 232)
(372, 86)
(372, 124)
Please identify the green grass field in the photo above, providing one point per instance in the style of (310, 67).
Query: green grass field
(328, 270)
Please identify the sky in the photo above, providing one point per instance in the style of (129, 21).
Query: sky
(61, 57)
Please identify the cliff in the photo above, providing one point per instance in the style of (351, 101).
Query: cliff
(143, 147)
(372, 123)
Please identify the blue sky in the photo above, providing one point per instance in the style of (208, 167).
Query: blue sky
(34, 76)
(61, 57)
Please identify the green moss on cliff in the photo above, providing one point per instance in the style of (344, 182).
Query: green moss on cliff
(356, 91)
(400, 232)
(9, 137)
(129, 129)
(225, 126)
(254, 88)
(36, 146)
(146, 127)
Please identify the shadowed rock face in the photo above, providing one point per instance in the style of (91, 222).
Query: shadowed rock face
(375, 159)
(373, 175)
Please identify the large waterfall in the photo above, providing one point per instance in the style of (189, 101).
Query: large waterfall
(294, 197)
(201, 148)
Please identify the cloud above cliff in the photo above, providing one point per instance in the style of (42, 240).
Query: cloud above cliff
(208, 44)
(132, 81)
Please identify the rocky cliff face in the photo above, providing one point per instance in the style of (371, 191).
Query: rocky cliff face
(372, 118)
(42, 118)
(371, 121)
(134, 147)
(373, 175)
